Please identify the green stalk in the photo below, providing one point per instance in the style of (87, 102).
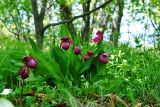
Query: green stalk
(21, 96)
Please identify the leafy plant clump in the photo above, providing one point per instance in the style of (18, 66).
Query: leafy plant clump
(74, 74)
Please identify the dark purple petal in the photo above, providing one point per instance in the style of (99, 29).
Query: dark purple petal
(98, 38)
(90, 53)
(24, 72)
(65, 45)
(30, 62)
(99, 34)
(103, 58)
(65, 38)
(77, 50)
(86, 57)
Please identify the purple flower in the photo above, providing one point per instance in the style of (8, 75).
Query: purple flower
(30, 62)
(65, 38)
(65, 42)
(98, 38)
(24, 72)
(90, 53)
(86, 57)
(77, 50)
(103, 58)
(65, 45)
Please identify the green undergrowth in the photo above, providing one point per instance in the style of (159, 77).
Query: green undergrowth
(132, 74)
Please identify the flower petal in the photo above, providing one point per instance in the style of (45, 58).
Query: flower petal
(98, 38)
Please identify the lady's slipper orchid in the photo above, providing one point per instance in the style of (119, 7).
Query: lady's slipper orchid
(65, 45)
(30, 62)
(65, 42)
(103, 58)
(77, 50)
(65, 38)
(90, 53)
(24, 72)
(98, 38)
(86, 57)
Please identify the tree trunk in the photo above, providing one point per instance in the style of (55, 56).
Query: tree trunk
(103, 20)
(66, 14)
(38, 21)
(94, 15)
(117, 22)
(39, 34)
(86, 19)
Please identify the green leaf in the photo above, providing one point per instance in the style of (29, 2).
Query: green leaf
(34, 46)
(61, 58)
(47, 66)
(2, 86)
(64, 31)
(131, 95)
(77, 39)
(85, 66)
(74, 65)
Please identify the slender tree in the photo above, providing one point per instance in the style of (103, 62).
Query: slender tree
(38, 21)
(116, 22)
(86, 19)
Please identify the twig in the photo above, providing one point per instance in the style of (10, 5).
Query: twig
(151, 12)
(9, 29)
(49, 7)
(155, 27)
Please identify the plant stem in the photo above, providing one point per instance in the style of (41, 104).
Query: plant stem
(21, 96)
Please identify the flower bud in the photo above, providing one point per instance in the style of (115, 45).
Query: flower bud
(77, 50)
(103, 58)
(30, 62)
(24, 72)
(86, 57)
(90, 53)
